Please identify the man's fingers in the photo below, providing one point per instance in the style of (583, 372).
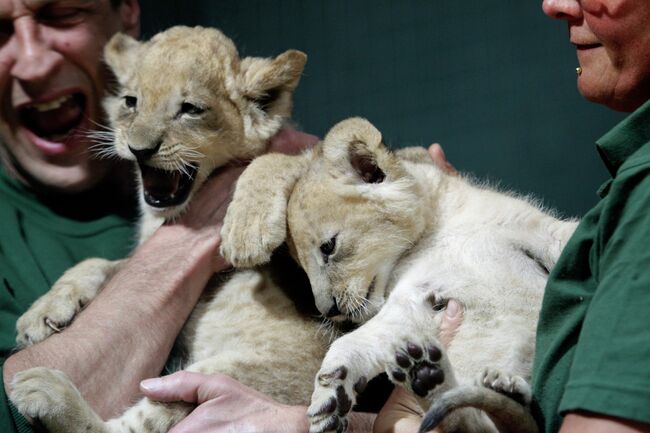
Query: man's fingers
(451, 321)
(185, 386)
(400, 414)
(439, 158)
(291, 142)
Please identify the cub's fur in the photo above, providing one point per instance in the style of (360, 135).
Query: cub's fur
(386, 238)
(187, 105)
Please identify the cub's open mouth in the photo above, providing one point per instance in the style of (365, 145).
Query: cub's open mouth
(163, 188)
(55, 119)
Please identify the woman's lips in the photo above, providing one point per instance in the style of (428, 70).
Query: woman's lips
(583, 47)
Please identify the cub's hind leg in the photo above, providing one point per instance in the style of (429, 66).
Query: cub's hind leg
(57, 308)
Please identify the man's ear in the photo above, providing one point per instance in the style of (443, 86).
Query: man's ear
(120, 54)
(129, 11)
(355, 143)
(269, 83)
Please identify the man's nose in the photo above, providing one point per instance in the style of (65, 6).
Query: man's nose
(35, 59)
(562, 9)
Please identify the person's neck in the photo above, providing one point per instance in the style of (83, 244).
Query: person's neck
(115, 194)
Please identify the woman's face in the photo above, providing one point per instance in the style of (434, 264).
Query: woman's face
(612, 40)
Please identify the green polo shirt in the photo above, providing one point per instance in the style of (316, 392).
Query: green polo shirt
(38, 243)
(593, 337)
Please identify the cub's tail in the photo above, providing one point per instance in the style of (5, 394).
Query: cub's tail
(508, 415)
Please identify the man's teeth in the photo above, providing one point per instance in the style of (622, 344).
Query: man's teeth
(52, 105)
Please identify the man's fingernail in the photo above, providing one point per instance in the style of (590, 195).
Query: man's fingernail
(150, 384)
(452, 309)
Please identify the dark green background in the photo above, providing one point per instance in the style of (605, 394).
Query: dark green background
(492, 80)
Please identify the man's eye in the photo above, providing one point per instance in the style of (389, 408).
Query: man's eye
(191, 109)
(327, 248)
(130, 101)
(62, 16)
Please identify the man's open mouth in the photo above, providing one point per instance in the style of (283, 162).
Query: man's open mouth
(164, 188)
(56, 119)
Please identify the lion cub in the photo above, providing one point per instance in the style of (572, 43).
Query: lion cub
(187, 104)
(386, 238)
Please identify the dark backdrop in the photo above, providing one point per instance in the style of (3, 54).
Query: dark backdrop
(492, 80)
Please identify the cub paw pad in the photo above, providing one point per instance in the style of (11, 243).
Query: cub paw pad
(418, 368)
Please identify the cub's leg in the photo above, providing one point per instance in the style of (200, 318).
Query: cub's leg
(377, 346)
(49, 396)
(57, 308)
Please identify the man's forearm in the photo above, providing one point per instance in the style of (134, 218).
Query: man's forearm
(127, 332)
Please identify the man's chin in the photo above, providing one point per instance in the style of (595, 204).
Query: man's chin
(64, 179)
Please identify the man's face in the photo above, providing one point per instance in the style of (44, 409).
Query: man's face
(51, 84)
(612, 38)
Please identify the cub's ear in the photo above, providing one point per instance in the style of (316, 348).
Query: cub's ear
(355, 143)
(270, 83)
(120, 54)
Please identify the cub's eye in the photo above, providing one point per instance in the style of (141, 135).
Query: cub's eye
(130, 101)
(187, 108)
(327, 248)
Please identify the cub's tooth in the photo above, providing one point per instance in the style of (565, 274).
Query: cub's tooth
(52, 105)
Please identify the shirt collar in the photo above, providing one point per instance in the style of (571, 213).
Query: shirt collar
(625, 138)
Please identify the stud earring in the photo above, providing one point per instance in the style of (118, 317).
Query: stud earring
(578, 71)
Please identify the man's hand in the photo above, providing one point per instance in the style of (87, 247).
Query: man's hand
(291, 142)
(402, 413)
(224, 405)
(438, 156)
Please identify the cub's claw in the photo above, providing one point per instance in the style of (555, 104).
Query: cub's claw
(510, 385)
(55, 310)
(50, 314)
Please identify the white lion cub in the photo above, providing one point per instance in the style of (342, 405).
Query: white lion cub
(385, 240)
(187, 104)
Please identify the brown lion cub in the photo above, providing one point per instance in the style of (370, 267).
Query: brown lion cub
(187, 104)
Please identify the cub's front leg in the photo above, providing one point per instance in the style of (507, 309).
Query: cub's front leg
(407, 350)
(57, 308)
(255, 223)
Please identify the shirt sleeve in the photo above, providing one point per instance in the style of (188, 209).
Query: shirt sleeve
(610, 373)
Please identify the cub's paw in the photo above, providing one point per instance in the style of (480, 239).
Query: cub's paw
(50, 314)
(332, 400)
(417, 368)
(43, 393)
(510, 385)
(56, 309)
(248, 237)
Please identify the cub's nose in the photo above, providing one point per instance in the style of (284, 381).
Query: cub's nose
(334, 311)
(144, 153)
